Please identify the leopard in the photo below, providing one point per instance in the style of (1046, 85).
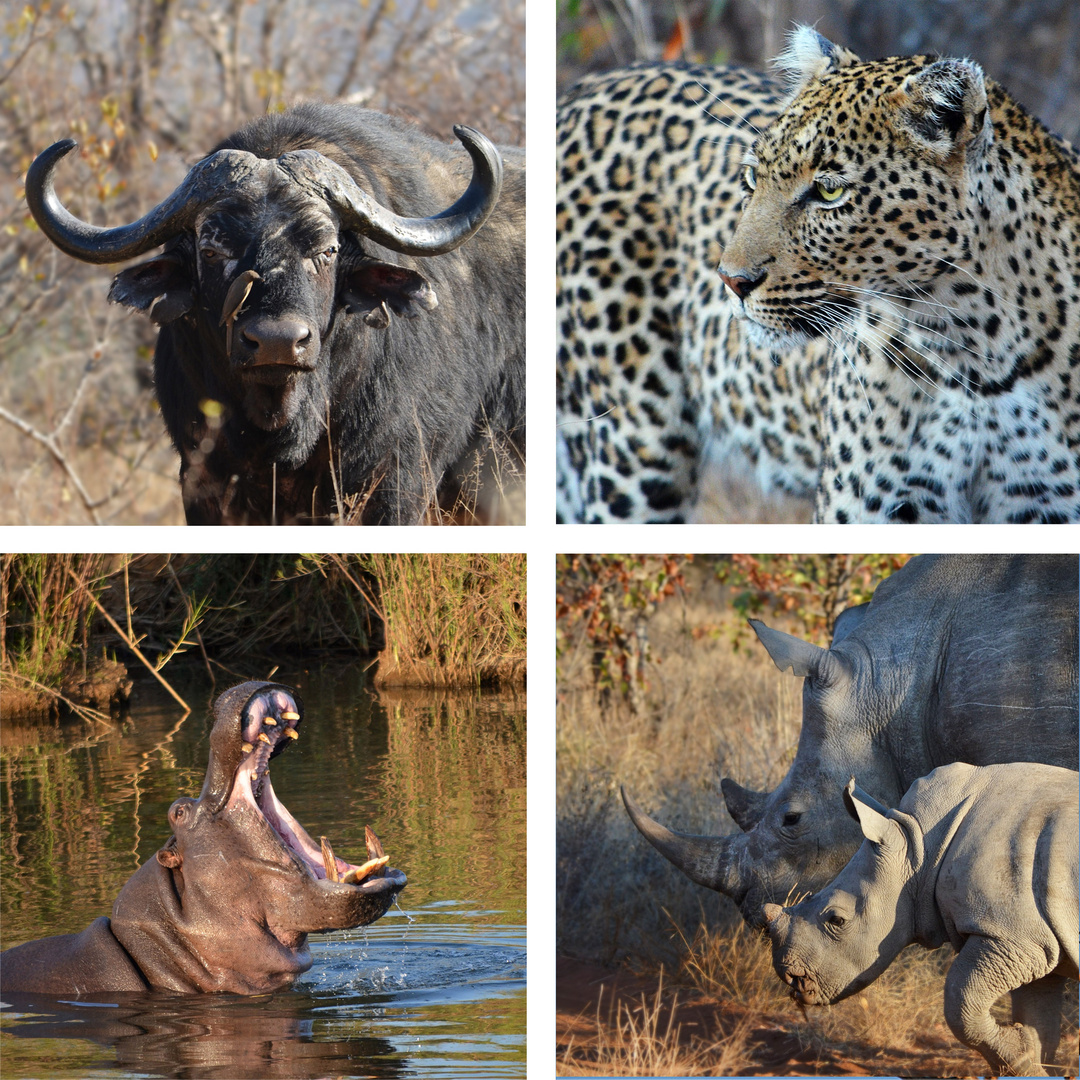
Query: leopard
(854, 284)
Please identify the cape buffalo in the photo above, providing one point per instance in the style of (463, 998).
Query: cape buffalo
(956, 658)
(334, 342)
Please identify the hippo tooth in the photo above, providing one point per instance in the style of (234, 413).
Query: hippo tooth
(270, 722)
(290, 716)
(246, 747)
(328, 859)
(263, 737)
(358, 873)
(292, 733)
(374, 848)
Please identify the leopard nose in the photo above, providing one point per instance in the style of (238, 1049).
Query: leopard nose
(741, 285)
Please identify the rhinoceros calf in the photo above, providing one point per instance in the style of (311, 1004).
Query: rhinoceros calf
(985, 858)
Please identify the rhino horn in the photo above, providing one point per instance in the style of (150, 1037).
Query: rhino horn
(803, 657)
(709, 860)
(745, 806)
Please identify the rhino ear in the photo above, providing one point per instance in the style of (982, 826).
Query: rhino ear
(803, 657)
(868, 812)
(745, 806)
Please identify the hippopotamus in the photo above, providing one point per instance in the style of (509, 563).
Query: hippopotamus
(984, 858)
(228, 902)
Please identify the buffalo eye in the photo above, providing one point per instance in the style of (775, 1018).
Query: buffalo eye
(792, 817)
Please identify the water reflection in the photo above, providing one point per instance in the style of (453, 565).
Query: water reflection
(436, 986)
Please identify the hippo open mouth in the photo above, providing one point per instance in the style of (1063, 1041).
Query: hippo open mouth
(269, 723)
(227, 903)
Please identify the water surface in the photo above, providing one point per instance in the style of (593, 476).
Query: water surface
(435, 988)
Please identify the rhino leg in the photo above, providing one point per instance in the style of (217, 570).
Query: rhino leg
(1038, 1006)
(979, 975)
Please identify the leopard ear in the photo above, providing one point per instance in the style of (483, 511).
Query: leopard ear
(808, 56)
(943, 108)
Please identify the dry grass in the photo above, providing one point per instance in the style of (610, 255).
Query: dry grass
(647, 1039)
(710, 712)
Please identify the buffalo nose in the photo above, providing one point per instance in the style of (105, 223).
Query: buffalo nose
(276, 341)
(741, 285)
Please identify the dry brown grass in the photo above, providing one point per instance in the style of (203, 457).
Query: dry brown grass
(646, 1038)
(711, 712)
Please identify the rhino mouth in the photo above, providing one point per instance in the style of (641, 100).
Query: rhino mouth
(804, 988)
(270, 722)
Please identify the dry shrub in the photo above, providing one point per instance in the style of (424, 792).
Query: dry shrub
(440, 620)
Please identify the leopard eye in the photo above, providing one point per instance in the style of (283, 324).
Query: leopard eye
(750, 177)
(829, 194)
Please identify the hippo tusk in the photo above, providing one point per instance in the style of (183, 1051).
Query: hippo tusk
(358, 873)
(328, 859)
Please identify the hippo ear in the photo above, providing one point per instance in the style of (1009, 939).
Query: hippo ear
(169, 857)
(803, 657)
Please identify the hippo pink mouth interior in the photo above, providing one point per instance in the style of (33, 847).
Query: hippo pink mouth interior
(270, 723)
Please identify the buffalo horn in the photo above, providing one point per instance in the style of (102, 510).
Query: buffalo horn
(704, 859)
(360, 213)
(93, 244)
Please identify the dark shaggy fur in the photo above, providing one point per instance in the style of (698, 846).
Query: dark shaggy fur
(403, 386)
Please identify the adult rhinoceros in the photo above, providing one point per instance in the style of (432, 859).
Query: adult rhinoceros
(956, 658)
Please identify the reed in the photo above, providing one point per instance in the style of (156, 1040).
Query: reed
(434, 620)
(450, 620)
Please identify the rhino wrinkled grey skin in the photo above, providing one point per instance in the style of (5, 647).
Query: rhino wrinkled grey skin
(956, 658)
(984, 858)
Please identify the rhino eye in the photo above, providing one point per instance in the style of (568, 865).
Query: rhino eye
(792, 817)
(836, 920)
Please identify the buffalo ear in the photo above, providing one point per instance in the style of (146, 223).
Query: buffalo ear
(160, 287)
(374, 289)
